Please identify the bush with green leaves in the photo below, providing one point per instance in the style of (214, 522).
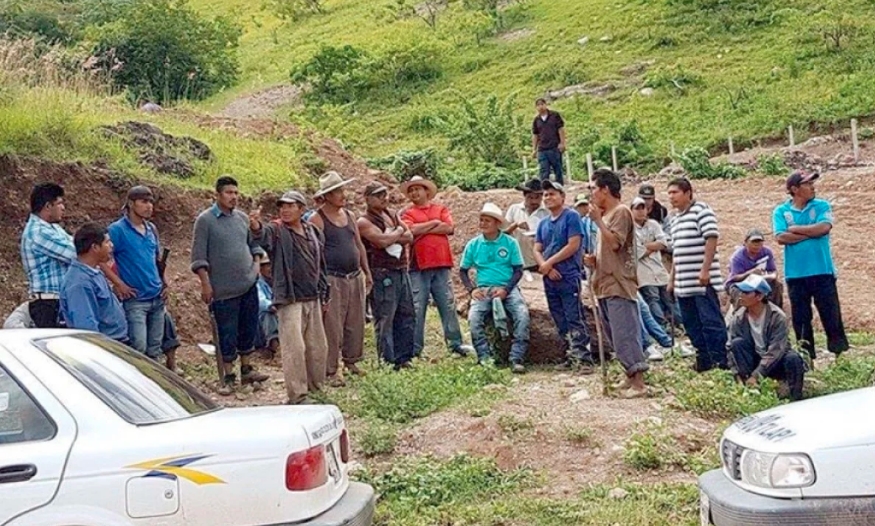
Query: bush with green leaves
(163, 50)
(486, 133)
(478, 176)
(337, 74)
(377, 438)
(406, 164)
(771, 164)
(40, 19)
(697, 164)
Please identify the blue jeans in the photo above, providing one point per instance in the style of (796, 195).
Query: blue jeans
(394, 315)
(268, 329)
(515, 306)
(551, 160)
(650, 328)
(563, 300)
(435, 283)
(145, 325)
(661, 303)
(237, 324)
(170, 341)
(705, 327)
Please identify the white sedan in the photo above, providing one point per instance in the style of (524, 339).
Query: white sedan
(93, 434)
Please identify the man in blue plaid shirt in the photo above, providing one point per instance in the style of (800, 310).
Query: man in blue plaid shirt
(46, 252)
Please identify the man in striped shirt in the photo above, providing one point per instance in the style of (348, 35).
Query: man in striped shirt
(46, 252)
(695, 274)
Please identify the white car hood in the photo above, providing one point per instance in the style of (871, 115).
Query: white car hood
(827, 422)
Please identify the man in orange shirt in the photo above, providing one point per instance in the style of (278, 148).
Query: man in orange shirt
(431, 262)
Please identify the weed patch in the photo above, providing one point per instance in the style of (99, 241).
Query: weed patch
(377, 439)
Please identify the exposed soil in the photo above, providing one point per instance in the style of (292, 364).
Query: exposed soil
(262, 104)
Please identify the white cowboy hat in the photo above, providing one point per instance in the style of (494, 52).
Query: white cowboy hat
(430, 187)
(329, 182)
(492, 210)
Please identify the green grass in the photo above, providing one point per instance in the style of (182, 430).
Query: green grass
(746, 72)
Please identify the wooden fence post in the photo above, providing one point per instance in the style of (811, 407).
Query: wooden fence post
(614, 158)
(856, 140)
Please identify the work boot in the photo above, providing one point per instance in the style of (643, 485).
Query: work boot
(517, 368)
(248, 375)
(463, 350)
(227, 386)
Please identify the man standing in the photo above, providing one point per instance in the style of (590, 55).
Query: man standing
(754, 258)
(348, 277)
(557, 251)
(268, 335)
(432, 260)
(548, 141)
(695, 274)
(226, 257)
(300, 293)
(523, 218)
(655, 210)
(652, 276)
(496, 258)
(615, 281)
(138, 281)
(759, 342)
(803, 224)
(87, 302)
(46, 253)
(387, 240)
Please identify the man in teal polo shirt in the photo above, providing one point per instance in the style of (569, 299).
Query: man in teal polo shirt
(498, 261)
(139, 283)
(802, 225)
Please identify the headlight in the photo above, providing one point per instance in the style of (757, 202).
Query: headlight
(769, 470)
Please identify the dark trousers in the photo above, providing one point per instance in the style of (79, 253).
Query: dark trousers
(237, 322)
(551, 160)
(660, 302)
(790, 368)
(705, 327)
(45, 314)
(822, 289)
(563, 300)
(394, 315)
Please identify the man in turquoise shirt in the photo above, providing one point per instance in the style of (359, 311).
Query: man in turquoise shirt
(802, 225)
(498, 261)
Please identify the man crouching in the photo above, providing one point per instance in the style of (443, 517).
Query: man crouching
(499, 264)
(759, 345)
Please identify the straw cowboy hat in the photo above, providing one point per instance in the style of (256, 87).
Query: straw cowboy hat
(492, 210)
(329, 182)
(430, 187)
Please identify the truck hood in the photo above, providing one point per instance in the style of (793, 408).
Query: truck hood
(827, 422)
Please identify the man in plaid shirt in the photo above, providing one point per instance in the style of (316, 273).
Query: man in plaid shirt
(46, 252)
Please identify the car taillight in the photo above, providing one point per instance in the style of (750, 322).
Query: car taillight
(344, 446)
(306, 470)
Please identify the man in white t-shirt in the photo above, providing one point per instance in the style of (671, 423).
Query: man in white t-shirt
(652, 275)
(523, 218)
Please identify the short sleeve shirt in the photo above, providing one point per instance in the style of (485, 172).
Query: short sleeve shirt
(742, 262)
(651, 271)
(810, 257)
(516, 214)
(554, 234)
(616, 271)
(547, 130)
(690, 231)
(431, 250)
(493, 260)
(136, 257)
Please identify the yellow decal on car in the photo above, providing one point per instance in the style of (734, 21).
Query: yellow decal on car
(176, 467)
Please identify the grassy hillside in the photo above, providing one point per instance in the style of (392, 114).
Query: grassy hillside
(744, 68)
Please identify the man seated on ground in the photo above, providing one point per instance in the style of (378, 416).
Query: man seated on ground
(754, 258)
(87, 302)
(496, 258)
(759, 343)
(268, 336)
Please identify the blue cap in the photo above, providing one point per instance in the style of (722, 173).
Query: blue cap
(755, 283)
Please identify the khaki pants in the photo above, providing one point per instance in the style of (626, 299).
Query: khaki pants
(303, 348)
(345, 321)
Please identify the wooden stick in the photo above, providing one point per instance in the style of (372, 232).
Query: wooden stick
(596, 311)
(614, 157)
(856, 140)
(589, 167)
(792, 138)
(731, 146)
(568, 167)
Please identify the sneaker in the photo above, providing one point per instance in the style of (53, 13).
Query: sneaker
(654, 353)
(685, 350)
(517, 368)
(248, 375)
(354, 369)
(463, 350)
(227, 387)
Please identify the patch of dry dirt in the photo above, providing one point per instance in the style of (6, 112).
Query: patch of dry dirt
(262, 104)
(517, 34)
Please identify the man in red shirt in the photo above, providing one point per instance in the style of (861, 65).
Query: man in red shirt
(431, 262)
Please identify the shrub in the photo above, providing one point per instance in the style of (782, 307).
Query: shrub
(485, 134)
(405, 164)
(162, 50)
(377, 439)
(771, 164)
(697, 164)
(483, 176)
(334, 74)
(675, 78)
(404, 65)
(28, 20)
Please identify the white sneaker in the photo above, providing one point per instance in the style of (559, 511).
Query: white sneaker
(685, 350)
(654, 353)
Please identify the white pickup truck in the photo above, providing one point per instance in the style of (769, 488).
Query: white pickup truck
(806, 463)
(93, 434)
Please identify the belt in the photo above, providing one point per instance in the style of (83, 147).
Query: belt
(353, 274)
(44, 296)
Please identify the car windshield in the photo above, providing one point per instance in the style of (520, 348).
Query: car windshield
(134, 386)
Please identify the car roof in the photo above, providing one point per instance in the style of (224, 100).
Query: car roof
(18, 336)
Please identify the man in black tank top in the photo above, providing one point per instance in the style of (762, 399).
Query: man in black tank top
(387, 241)
(348, 276)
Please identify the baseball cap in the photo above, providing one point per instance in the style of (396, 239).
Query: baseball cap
(755, 283)
(140, 193)
(638, 201)
(293, 197)
(553, 185)
(754, 234)
(374, 188)
(646, 190)
(581, 199)
(799, 177)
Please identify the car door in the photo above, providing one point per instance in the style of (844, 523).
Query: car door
(36, 436)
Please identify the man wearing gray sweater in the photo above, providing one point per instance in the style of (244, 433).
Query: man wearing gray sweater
(226, 259)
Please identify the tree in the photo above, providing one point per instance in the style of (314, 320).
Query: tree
(490, 133)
